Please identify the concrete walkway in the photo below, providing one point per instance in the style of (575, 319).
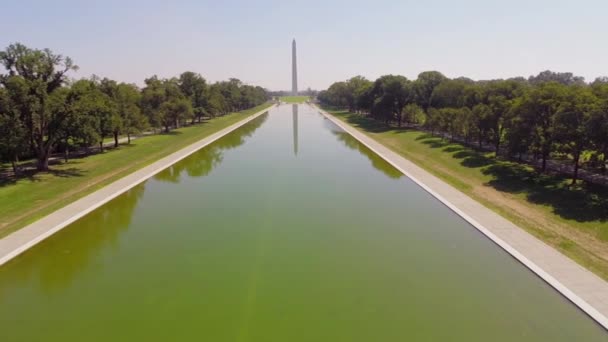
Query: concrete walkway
(583, 288)
(23, 239)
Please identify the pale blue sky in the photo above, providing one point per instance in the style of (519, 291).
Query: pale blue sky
(251, 40)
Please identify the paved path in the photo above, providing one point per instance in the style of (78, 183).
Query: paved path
(588, 291)
(23, 239)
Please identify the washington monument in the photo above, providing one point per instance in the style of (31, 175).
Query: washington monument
(294, 69)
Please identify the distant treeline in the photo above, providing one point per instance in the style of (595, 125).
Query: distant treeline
(551, 114)
(42, 111)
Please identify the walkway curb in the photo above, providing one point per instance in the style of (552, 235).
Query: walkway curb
(583, 288)
(28, 236)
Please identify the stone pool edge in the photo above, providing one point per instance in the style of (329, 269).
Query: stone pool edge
(25, 238)
(581, 287)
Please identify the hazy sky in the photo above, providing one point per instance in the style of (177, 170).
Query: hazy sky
(251, 40)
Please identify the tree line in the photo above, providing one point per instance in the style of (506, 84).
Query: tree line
(43, 111)
(544, 116)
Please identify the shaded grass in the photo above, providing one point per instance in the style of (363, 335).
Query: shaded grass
(573, 219)
(24, 200)
(294, 99)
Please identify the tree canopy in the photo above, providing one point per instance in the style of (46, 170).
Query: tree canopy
(42, 111)
(548, 115)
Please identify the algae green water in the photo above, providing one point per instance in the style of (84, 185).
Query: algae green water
(285, 230)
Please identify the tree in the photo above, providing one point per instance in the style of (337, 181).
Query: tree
(103, 112)
(127, 100)
(598, 122)
(564, 78)
(538, 109)
(412, 113)
(392, 93)
(450, 94)
(12, 132)
(152, 97)
(175, 110)
(40, 72)
(481, 117)
(572, 124)
(425, 85)
(500, 98)
(355, 88)
(194, 87)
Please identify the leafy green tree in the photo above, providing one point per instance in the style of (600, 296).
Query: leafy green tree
(564, 78)
(174, 111)
(572, 124)
(412, 113)
(103, 111)
(127, 101)
(425, 85)
(13, 136)
(392, 93)
(355, 88)
(195, 88)
(481, 116)
(500, 98)
(450, 94)
(598, 122)
(41, 72)
(152, 97)
(538, 109)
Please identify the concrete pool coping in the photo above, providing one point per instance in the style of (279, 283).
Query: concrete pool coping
(23, 239)
(583, 288)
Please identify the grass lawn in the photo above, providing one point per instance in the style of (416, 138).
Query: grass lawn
(294, 99)
(574, 219)
(25, 200)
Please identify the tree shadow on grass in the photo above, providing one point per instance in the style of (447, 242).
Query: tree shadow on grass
(365, 123)
(455, 148)
(33, 175)
(434, 142)
(583, 203)
(473, 159)
(173, 132)
(71, 172)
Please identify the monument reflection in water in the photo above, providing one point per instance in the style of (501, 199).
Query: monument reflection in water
(294, 118)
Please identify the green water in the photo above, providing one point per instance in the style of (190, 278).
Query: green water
(285, 230)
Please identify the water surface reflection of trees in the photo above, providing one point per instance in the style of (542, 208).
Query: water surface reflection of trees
(54, 263)
(202, 162)
(377, 162)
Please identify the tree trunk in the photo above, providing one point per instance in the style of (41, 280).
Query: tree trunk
(115, 139)
(14, 164)
(101, 146)
(604, 159)
(128, 138)
(575, 175)
(42, 164)
(66, 151)
(544, 165)
(497, 146)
